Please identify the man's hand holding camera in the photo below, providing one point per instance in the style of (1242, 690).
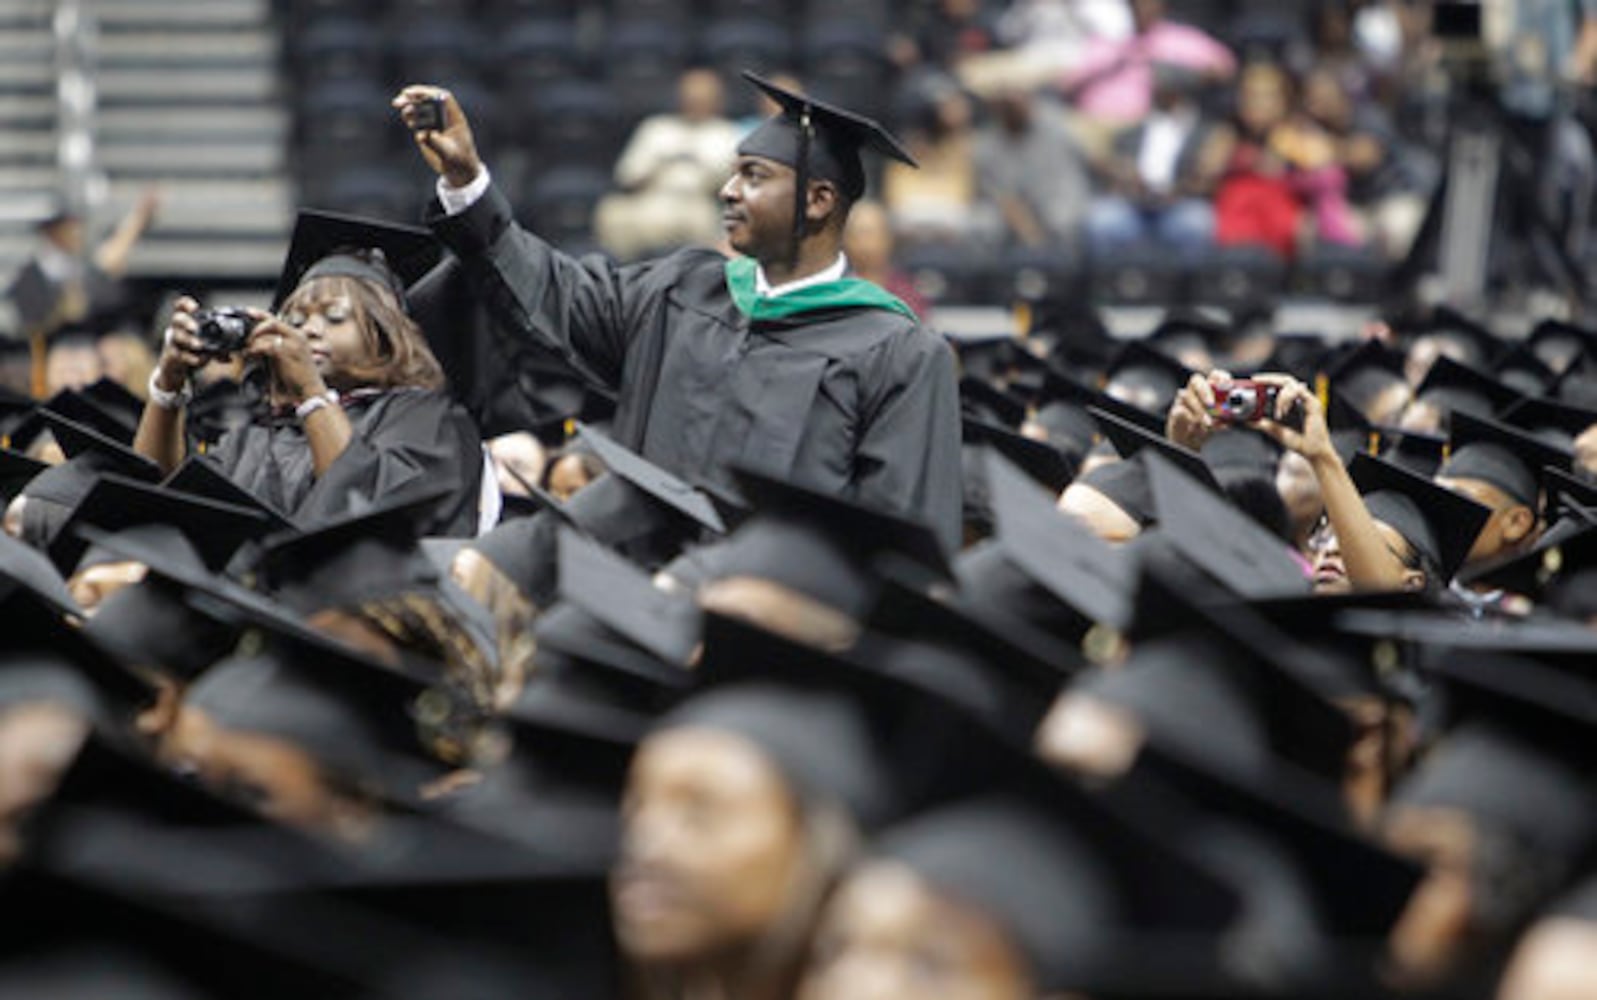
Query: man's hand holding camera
(441, 132)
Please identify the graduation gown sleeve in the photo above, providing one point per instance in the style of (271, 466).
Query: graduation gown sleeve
(908, 456)
(586, 309)
(405, 439)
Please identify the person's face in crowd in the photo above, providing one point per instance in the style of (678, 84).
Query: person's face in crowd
(780, 609)
(868, 238)
(1146, 13)
(71, 366)
(1134, 392)
(1326, 102)
(568, 475)
(712, 848)
(67, 235)
(1555, 960)
(1381, 734)
(700, 95)
(1263, 98)
(91, 585)
(1087, 735)
(1436, 924)
(1300, 491)
(518, 459)
(1012, 108)
(1413, 575)
(1101, 515)
(887, 934)
(757, 207)
(272, 776)
(38, 741)
(1511, 528)
(1330, 572)
(1386, 408)
(1424, 416)
(333, 325)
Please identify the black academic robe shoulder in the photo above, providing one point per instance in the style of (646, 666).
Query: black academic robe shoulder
(402, 438)
(857, 401)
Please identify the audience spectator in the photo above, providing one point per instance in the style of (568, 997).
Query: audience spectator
(1159, 175)
(868, 243)
(942, 34)
(1112, 84)
(934, 203)
(670, 172)
(1057, 32)
(1031, 172)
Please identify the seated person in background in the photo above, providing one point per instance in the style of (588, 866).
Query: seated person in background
(868, 242)
(934, 203)
(356, 401)
(1255, 202)
(1160, 175)
(1031, 171)
(669, 174)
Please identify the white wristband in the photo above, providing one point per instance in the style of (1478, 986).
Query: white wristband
(303, 411)
(170, 400)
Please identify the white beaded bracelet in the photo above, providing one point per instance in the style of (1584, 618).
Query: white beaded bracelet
(170, 400)
(314, 403)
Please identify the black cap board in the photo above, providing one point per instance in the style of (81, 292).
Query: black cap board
(22, 565)
(820, 140)
(16, 472)
(1460, 388)
(1138, 366)
(1129, 440)
(45, 658)
(1041, 461)
(1520, 369)
(1551, 421)
(1579, 492)
(322, 242)
(1561, 345)
(622, 597)
(1415, 451)
(1365, 371)
(201, 477)
(653, 480)
(980, 399)
(1231, 547)
(1440, 524)
(107, 454)
(1502, 456)
(1052, 549)
(116, 503)
(80, 408)
(1062, 389)
(1125, 484)
(116, 399)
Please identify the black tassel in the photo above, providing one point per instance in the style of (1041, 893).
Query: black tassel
(801, 181)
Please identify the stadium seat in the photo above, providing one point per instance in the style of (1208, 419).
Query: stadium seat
(732, 46)
(505, 12)
(339, 115)
(436, 48)
(1238, 276)
(574, 123)
(876, 14)
(846, 62)
(538, 53)
(766, 10)
(1139, 274)
(337, 48)
(1341, 273)
(375, 191)
(644, 58)
(670, 11)
(559, 204)
(305, 11)
(946, 274)
(1027, 274)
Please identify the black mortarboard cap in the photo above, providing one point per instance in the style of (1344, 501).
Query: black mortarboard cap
(1455, 387)
(653, 480)
(1481, 343)
(319, 245)
(1520, 369)
(357, 557)
(819, 140)
(1182, 328)
(22, 565)
(1138, 365)
(581, 654)
(1551, 421)
(201, 477)
(1557, 560)
(1125, 483)
(1351, 431)
(1579, 492)
(820, 544)
(115, 503)
(116, 399)
(80, 408)
(1061, 390)
(16, 472)
(1415, 451)
(623, 598)
(1041, 460)
(45, 658)
(154, 623)
(1364, 371)
(102, 453)
(1220, 539)
(1085, 890)
(1052, 549)
(1505, 457)
(1561, 345)
(1439, 523)
(1298, 354)
(980, 399)
(1129, 440)
(1002, 671)
(1242, 449)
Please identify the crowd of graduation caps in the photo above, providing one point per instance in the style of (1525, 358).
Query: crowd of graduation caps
(1153, 734)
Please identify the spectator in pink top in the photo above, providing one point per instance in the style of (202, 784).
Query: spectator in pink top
(1113, 83)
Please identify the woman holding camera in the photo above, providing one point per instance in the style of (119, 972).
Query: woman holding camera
(354, 401)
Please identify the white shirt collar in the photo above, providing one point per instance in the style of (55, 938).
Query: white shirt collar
(762, 287)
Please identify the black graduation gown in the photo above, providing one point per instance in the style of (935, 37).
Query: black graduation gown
(857, 400)
(402, 438)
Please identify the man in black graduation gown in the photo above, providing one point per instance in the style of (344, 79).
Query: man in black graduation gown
(776, 359)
